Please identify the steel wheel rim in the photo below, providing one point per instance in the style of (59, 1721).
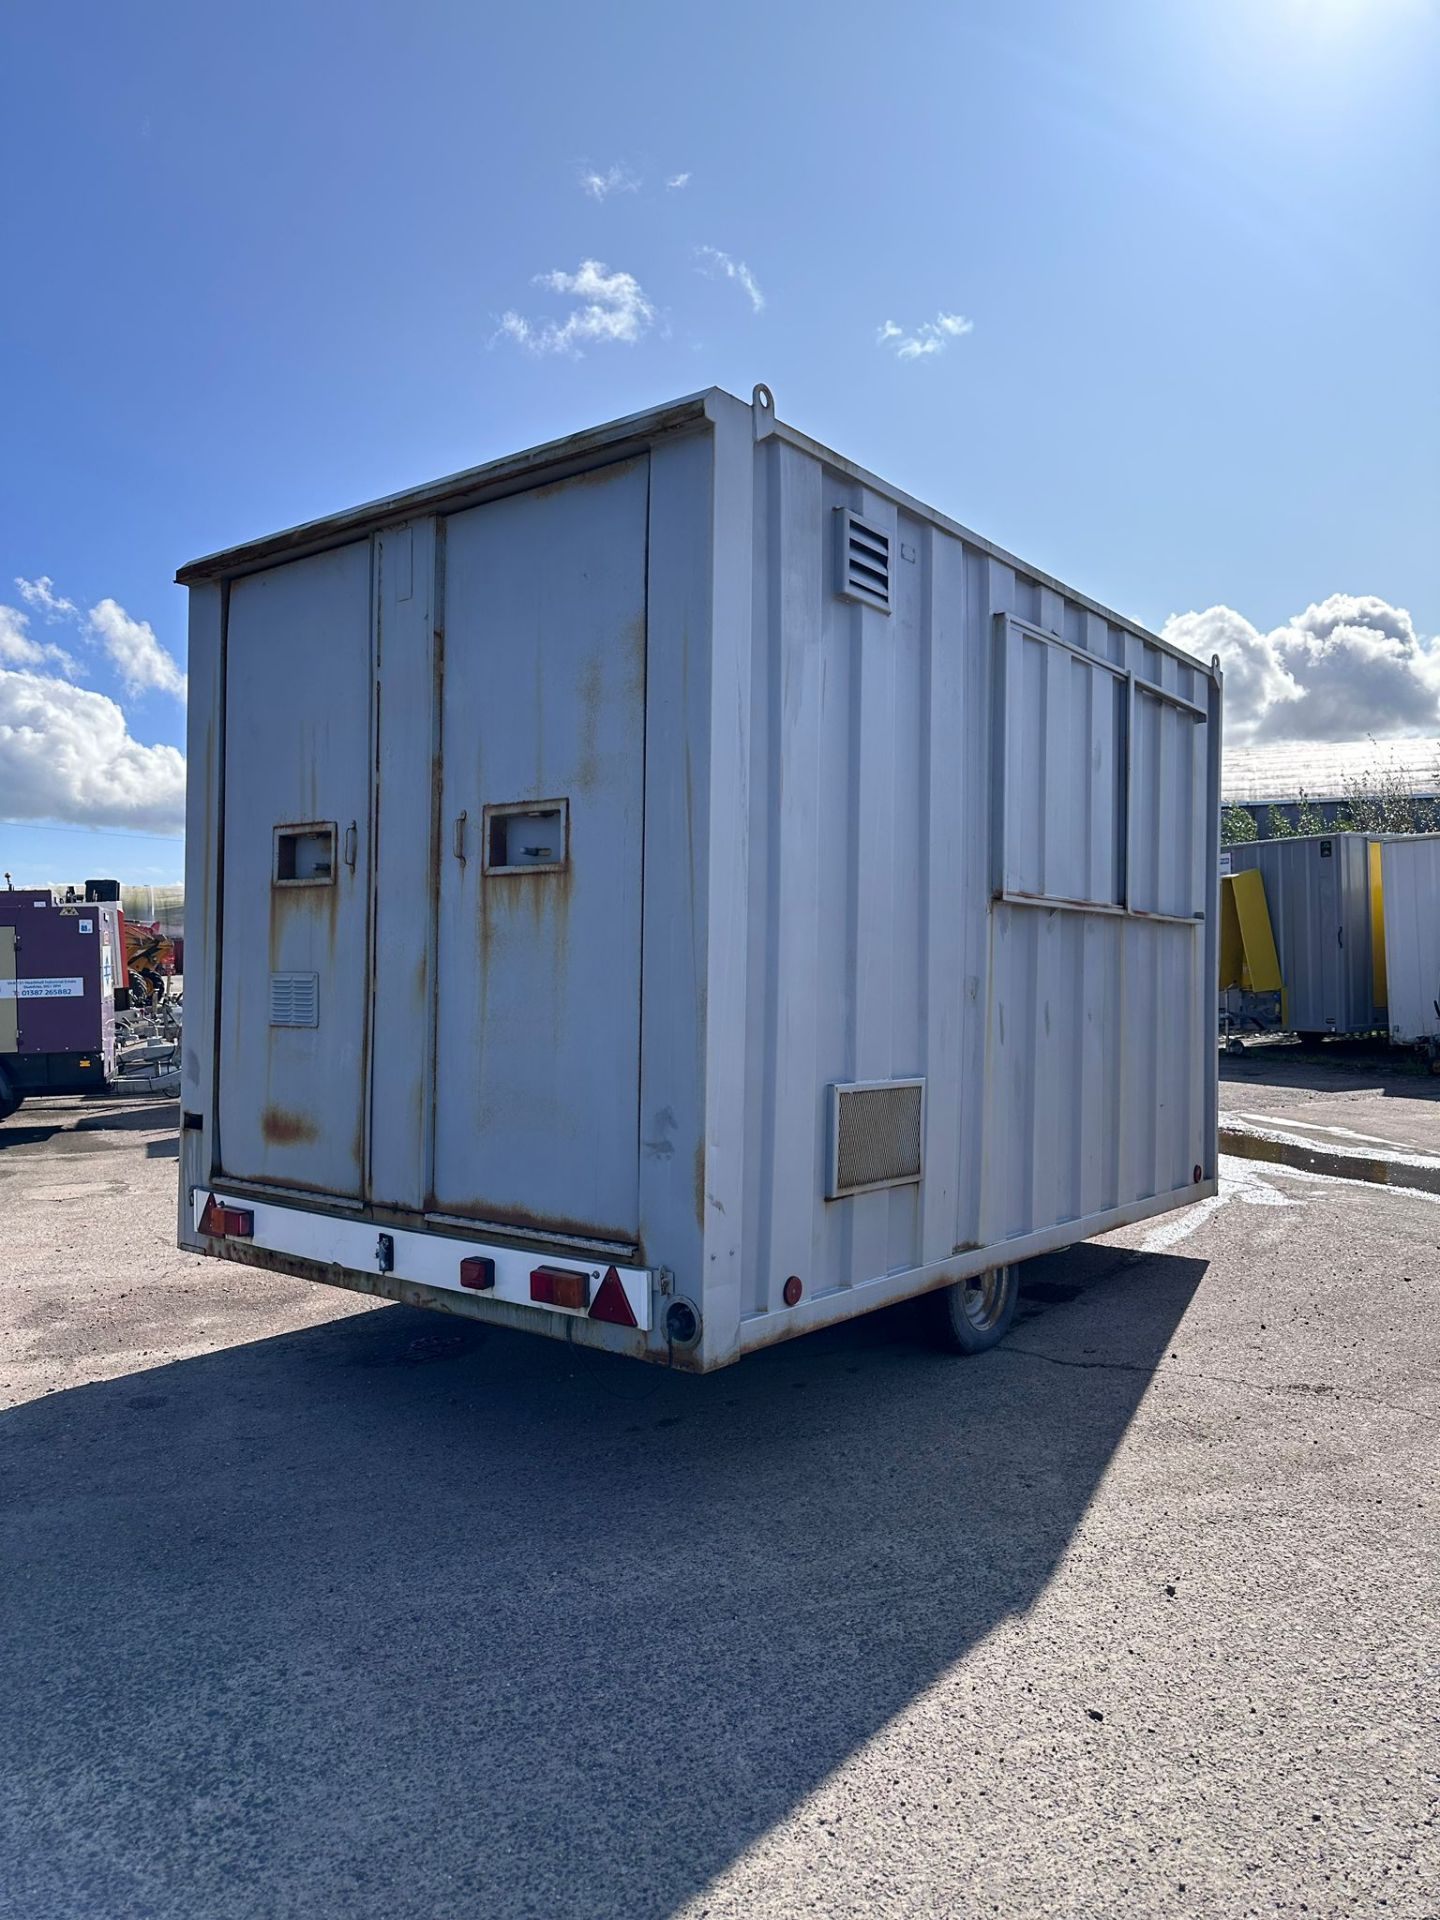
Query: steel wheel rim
(982, 1299)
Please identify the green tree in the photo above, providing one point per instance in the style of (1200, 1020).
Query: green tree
(1237, 824)
(1380, 799)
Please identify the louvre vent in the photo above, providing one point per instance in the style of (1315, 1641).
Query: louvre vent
(294, 999)
(864, 561)
(876, 1135)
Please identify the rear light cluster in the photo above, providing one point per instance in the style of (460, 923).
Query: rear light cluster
(561, 1287)
(221, 1222)
(568, 1287)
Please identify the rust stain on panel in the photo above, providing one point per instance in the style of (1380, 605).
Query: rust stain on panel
(300, 907)
(282, 1128)
(520, 1220)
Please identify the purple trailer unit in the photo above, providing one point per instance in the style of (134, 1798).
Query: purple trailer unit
(60, 963)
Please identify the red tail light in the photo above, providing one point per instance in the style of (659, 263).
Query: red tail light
(477, 1272)
(219, 1222)
(560, 1287)
(612, 1303)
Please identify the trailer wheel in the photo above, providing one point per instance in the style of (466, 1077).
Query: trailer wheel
(974, 1315)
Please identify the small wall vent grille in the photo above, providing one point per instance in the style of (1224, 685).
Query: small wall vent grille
(877, 1132)
(864, 561)
(294, 999)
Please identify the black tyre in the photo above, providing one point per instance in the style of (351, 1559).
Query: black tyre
(9, 1098)
(1310, 1041)
(974, 1315)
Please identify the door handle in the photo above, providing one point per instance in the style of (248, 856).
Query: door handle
(460, 820)
(351, 845)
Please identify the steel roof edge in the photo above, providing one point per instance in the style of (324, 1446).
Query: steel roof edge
(636, 429)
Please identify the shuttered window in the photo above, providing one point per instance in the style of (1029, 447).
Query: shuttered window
(1089, 751)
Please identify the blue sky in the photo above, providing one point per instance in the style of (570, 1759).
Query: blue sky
(1167, 270)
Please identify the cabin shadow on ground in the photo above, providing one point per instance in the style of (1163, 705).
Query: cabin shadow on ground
(50, 1118)
(398, 1616)
(1333, 1066)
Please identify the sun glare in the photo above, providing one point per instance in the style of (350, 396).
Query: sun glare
(1341, 15)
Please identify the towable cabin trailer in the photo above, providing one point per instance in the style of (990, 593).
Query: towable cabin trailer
(671, 890)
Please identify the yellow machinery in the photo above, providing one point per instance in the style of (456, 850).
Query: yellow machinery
(1252, 993)
(1377, 927)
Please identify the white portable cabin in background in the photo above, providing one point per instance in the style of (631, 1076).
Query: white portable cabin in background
(1410, 866)
(671, 890)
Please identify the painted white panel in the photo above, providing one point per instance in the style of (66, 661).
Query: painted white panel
(1064, 793)
(1410, 881)
(537, 1068)
(297, 752)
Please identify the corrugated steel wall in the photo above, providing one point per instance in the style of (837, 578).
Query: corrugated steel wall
(1411, 880)
(1065, 1050)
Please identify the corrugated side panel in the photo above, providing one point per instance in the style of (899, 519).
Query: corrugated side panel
(1319, 906)
(1411, 882)
(902, 763)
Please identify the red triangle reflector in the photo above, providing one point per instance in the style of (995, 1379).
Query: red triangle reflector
(612, 1303)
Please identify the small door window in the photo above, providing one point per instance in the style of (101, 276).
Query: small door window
(305, 855)
(527, 836)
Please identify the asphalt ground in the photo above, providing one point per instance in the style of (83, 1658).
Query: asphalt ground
(1354, 1092)
(311, 1605)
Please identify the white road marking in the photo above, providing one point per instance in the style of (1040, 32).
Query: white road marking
(1406, 1147)
(1244, 1181)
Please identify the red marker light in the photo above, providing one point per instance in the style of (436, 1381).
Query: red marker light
(612, 1303)
(477, 1272)
(793, 1289)
(219, 1222)
(560, 1287)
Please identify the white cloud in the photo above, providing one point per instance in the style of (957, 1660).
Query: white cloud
(613, 308)
(1347, 667)
(66, 754)
(614, 180)
(930, 337)
(678, 180)
(18, 649)
(714, 262)
(141, 661)
(41, 595)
